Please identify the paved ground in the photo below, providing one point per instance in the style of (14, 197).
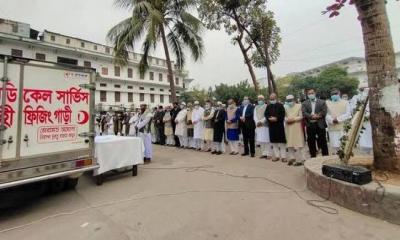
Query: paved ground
(218, 200)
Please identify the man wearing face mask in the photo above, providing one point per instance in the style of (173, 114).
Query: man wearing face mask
(339, 111)
(189, 125)
(314, 112)
(247, 126)
(262, 131)
(294, 131)
(144, 129)
(208, 126)
(232, 132)
(197, 115)
(275, 115)
(180, 129)
(219, 129)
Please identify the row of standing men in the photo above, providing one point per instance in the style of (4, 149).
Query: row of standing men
(280, 129)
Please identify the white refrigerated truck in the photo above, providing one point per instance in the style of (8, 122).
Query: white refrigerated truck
(46, 127)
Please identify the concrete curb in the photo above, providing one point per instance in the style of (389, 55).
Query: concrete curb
(369, 199)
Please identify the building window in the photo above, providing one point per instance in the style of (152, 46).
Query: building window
(15, 28)
(141, 97)
(151, 89)
(103, 96)
(95, 47)
(82, 44)
(161, 90)
(130, 97)
(117, 96)
(107, 50)
(52, 38)
(184, 86)
(152, 98)
(177, 92)
(67, 61)
(151, 76)
(68, 41)
(117, 71)
(104, 71)
(158, 61)
(40, 56)
(87, 64)
(169, 99)
(103, 84)
(141, 75)
(161, 98)
(117, 86)
(130, 87)
(177, 81)
(16, 52)
(130, 73)
(141, 88)
(160, 77)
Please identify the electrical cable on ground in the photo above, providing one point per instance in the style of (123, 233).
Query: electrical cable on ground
(203, 168)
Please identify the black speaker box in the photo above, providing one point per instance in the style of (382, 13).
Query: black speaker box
(352, 174)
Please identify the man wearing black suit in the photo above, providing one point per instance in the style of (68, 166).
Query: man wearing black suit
(174, 113)
(247, 126)
(314, 111)
(159, 125)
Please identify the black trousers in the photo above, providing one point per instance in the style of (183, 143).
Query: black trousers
(316, 135)
(177, 143)
(161, 135)
(248, 140)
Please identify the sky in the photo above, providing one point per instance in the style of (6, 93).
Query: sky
(309, 39)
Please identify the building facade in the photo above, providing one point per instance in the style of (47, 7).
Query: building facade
(117, 87)
(355, 67)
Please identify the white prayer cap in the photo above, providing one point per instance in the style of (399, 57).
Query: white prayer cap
(219, 103)
(196, 103)
(261, 96)
(289, 97)
(183, 103)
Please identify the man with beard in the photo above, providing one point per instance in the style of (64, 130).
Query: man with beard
(144, 129)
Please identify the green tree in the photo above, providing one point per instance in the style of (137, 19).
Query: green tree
(223, 92)
(328, 79)
(282, 85)
(154, 21)
(196, 94)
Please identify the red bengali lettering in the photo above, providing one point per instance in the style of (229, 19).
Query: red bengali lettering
(11, 92)
(72, 95)
(63, 115)
(36, 116)
(8, 116)
(37, 94)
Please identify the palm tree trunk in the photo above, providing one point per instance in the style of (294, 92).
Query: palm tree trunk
(248, 63)
(384, 87)
(271, 80)
(170, 76)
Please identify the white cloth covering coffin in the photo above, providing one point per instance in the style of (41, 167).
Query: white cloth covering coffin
(113, 152)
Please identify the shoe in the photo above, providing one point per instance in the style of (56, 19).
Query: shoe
(290, 163)
(252, 155)
(245, 154)
(274, 159)
(199, 149)
(296, 164)
(283, 160)
(214, 152)
(218, 153)
(235, 153)
(264, 157)
(208, 150)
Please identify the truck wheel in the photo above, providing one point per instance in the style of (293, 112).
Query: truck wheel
(99, 180)
(70, 183)
(134, 170)
(56, 185)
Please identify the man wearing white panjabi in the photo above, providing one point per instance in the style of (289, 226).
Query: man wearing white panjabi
(365, 141)
(181, 128)
(144, 129)
(132, 123)
(338, 111)
(262, 131)
(110, 124)
(197, 121)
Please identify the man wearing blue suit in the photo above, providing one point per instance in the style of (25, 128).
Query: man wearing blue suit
(247, 126)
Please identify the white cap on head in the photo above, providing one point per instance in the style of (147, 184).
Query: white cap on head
(219, 103)
(196, 103)
(289, 97)
(183, 103)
